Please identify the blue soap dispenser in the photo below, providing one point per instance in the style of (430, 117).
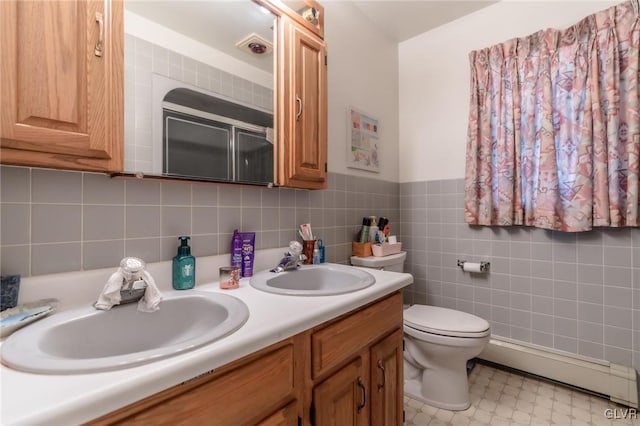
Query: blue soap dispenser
(184, 266)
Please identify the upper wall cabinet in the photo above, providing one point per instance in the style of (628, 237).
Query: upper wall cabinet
(302, 100)
(62, 84)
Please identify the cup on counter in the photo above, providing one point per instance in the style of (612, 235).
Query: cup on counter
(9, 291)
(229, 277)
(307, 250)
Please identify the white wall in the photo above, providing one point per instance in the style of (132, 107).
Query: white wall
(362, 73)
(434, 80)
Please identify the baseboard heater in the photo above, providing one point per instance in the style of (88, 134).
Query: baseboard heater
(616, 381)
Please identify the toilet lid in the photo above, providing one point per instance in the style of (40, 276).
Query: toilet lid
(446, 322)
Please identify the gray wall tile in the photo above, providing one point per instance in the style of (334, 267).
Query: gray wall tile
(15, 223)
(55, 258)
(175, 194)
(55, 186)
(205, 220)
(15, 260)
(102, 223)
(204, 194)
(144, 248)
(617, 256)
(176, 221)
(15, 184)
(102, 254)
(142, 192)
(101, 189)
(52, 223)
(142, 221)
(573, 284)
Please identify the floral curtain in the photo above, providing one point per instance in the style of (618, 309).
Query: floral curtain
(554, 127)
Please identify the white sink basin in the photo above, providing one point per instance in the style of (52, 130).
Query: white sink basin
(87, 340)
(314, 280)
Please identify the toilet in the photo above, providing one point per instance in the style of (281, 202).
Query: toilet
(438, 344)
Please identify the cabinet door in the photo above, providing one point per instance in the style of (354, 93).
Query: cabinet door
(387, 381)
(302, 151)
(341, 400)
(62, 83)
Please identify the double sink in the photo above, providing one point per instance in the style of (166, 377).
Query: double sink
(86, 340)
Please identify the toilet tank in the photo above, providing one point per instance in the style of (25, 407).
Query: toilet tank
(393, 262)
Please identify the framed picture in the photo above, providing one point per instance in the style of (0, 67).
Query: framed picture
(363, 143)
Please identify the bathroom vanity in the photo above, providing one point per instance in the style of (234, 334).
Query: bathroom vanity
(350, 366)
(296, 359)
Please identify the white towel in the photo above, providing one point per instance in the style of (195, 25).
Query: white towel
(150, 302)
(111, 292)
(110, 295)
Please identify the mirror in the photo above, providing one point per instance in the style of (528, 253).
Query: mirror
(199, 90)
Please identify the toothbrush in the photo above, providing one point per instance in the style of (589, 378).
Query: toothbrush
(305, 230)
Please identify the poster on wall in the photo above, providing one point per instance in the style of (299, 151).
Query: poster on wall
(363, 143)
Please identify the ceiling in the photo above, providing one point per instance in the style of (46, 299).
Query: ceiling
(401, 20)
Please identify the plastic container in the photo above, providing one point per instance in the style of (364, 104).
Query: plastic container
(386, 249)
(184, 267)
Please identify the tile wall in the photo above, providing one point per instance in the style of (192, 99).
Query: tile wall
(58, 221)
(576, 292)
(141, 60)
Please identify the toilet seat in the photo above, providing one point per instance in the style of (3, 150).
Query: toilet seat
(445, 322)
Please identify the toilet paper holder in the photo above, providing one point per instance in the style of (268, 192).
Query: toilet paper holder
(484, 266)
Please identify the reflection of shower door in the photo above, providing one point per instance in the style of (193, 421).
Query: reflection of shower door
(253, 157)
(196, 147)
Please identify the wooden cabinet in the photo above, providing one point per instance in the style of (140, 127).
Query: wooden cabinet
(263, 388)
(357, 367)
(302, 102)
(342, 398)
(62, 84)
(387, 380)
(347, 371)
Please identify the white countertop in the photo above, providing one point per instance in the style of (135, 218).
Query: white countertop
(71, 399)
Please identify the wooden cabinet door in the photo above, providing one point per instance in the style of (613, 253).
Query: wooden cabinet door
(302, 151)
(62, 89)
(341, 400)
(387, 381)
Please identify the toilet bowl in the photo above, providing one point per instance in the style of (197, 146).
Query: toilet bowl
(438, 344)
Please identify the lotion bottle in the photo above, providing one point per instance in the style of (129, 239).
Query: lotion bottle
(184, 267)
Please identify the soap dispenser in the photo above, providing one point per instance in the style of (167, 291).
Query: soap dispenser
(184, 266)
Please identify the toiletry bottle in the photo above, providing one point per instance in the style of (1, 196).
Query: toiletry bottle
(236, 250)
(316, 254)
(184, 267)
(364, 231)
(321, 249)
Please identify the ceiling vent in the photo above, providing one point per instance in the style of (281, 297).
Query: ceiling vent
(255, 45)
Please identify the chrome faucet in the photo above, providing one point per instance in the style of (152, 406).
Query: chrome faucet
(292, 259)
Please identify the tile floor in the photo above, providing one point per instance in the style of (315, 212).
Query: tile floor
(500, 397)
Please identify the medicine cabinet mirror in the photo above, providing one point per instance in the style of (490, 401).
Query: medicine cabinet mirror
(199, 90)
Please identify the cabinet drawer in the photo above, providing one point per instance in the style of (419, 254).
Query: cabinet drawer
(236, 397)
(340, 340)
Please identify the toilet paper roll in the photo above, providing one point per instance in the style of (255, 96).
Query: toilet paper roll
(472, 267)
(392, 239)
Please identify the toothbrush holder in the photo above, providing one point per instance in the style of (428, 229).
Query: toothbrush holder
(307, 250)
